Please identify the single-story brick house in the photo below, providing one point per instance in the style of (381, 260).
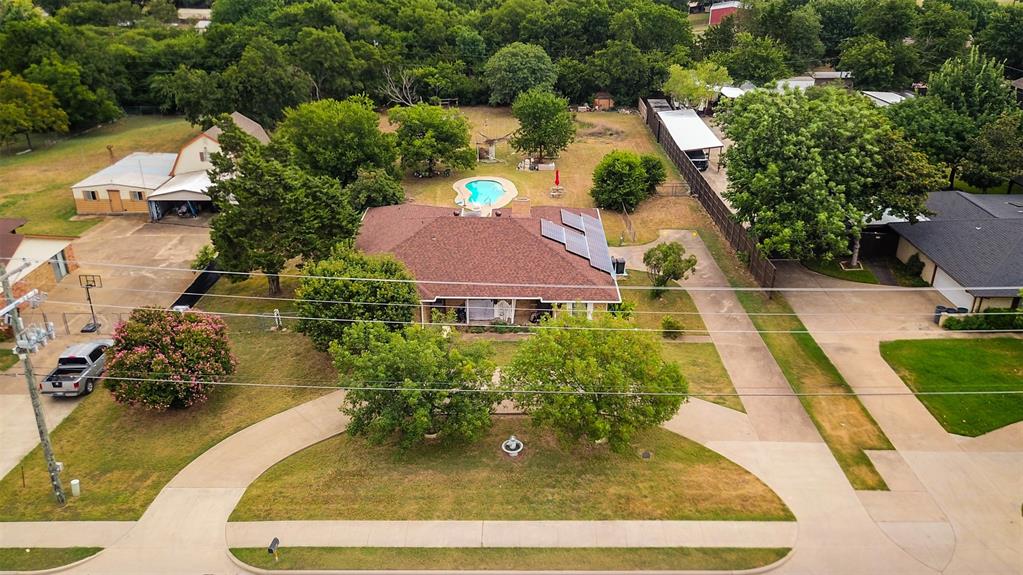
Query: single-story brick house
(156, 183)
(971, 247)
(50, 258)
(508, 268)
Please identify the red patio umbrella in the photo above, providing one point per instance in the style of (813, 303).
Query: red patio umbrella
(557, 177)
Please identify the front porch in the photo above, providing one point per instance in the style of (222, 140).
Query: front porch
(498, 311)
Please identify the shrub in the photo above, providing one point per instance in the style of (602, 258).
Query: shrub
(655, 172)
(671, 328)
(163, 359)
(993, 319)
(392, 303)
(914, 267)
(207, 255)
(619, 181)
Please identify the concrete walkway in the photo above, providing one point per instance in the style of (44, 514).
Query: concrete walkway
(514, 533)
(964, 494)
(745, 355)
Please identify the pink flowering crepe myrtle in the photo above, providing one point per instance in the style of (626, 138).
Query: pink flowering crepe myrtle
(163, 359)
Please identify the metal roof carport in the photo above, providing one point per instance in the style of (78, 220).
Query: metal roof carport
(688, 131)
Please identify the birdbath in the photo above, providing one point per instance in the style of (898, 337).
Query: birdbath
(512, 446)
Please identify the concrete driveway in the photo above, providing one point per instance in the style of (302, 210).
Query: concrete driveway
(957, 491)
(125, 240)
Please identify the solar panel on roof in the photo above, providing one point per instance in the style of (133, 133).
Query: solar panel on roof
(553, 231)
(572, 219)
(576, 243)
(596, 242)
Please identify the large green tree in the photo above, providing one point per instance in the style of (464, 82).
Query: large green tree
(996, 154)
(516, 68)
(337, 138)
(431, 134)
(936, 130)
(973, 85)
(1003, 36)
(327, 58)
(272, 211)
(84, 106)
(26, 108)
(838, 22)
(264, 82)
(696, 85)
(755, 59)
(668, 262)
(889, 20)
(626, 72)
(374, 188)
(333, 302)
(597, 380)
(871, 62)
(807, 169)
(416, 382)
(545, 125)
(619, 181)
(941, 33)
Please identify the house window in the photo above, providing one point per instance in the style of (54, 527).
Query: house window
(203, 155)
(91, 195)
(137, 196)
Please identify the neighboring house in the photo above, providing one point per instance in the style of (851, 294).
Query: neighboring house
(795, 82)
(971, 248)
(722, 10)
(50, 258)
(1017, 84)
(156, 183)
(883, 99)
(510, 268)
(829, 78)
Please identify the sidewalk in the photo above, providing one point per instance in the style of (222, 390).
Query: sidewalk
(514, 533)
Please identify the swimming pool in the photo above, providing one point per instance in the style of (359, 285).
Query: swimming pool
(484, 192)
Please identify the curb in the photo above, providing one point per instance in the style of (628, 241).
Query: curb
(260, 571)
(56, 569)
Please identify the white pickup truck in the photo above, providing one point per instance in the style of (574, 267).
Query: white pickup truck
(78, 369)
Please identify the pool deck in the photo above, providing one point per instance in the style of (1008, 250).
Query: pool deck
(462, 194)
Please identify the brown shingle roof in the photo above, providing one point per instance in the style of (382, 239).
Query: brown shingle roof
(9, 238)
(438, 246)
(245, 124)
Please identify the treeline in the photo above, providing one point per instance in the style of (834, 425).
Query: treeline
(263, 56)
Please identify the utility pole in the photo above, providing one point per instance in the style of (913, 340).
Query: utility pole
(25, 343)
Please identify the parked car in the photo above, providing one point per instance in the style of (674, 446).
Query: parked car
(700, 159)
(78, 369)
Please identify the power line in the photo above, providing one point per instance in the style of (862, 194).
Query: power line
(517, 308)
(693, 331)
(533, 285)
(500, 390)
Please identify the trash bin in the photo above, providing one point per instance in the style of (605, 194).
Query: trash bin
(938, 310)
(76, 488)
(962, 310)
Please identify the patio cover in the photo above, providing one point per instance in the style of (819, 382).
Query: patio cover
(190, 186)
(688, 130)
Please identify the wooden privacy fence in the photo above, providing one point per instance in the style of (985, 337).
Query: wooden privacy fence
(738, 237)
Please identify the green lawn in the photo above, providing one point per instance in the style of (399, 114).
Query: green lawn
(549, 481)
(519, 558)
(124, 456)
(701, 365)
(504, 350)
(651, 310)
(834, 269)
(37, 558)
(843, 421)
(963, 365)
(36, 186)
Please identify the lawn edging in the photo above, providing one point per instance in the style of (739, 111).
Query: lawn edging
(260, 571)
(60, 568)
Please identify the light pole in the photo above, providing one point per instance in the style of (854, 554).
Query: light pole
(27, 341)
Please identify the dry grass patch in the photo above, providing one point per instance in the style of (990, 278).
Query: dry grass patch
(701, 365)
(518, 558)
(549, 481)
(37, 185)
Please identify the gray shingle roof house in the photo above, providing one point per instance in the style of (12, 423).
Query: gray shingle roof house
(971, 247)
